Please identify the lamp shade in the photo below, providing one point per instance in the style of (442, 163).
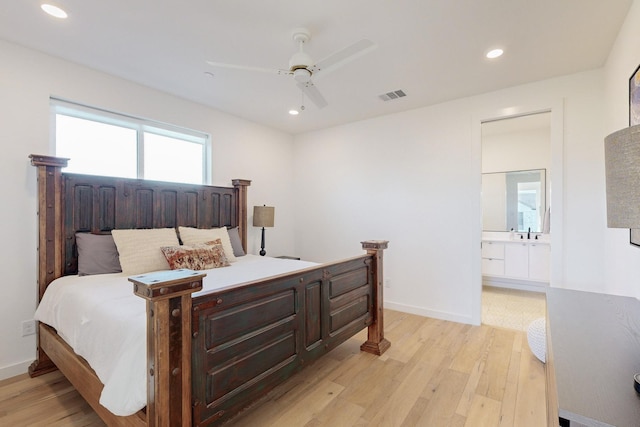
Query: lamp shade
(263, 216)
(622, 163)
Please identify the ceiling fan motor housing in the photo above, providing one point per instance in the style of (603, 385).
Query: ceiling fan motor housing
(300, 60)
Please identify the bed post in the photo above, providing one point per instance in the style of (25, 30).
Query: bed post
(376, 342)
(50, 238)
(241, 185)
(169, 304)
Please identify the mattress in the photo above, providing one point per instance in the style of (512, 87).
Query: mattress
(105, 323)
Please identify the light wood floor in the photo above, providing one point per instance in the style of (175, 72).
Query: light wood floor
(436, 373)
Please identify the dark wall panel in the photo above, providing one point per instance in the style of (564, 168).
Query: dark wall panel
(188, 213)
(84, 209)
(107, 209)
(313, 313)
(167, 209)
(143, 205)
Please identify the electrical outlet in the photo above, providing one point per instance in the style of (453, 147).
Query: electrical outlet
(28, 327)
(387, 283)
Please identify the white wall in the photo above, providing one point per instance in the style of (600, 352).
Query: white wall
(413, 179)
(241, 149)
(404, 178)
(622, 261)
(512, 151)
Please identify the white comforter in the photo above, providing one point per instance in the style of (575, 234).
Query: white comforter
(104, 322)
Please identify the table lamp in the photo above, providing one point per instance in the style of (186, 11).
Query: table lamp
(263, 217)
(622, 165)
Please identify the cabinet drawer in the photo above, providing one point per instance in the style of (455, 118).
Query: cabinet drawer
(493, 250)
(492, 267)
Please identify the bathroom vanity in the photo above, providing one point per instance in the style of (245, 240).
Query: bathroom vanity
(518, 263)
(516, 200)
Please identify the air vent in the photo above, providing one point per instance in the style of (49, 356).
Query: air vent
(392, 95)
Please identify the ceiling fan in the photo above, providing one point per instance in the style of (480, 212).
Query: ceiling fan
(304, 70)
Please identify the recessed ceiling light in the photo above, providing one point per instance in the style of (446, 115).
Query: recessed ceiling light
(54, 11)
(495, 53)
(294, 112)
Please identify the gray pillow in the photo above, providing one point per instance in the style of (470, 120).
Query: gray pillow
(236, 244)
(97, 254)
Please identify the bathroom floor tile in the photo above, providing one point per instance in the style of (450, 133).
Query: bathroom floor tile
(511, 308)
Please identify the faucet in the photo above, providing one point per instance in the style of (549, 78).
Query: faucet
(529, 234)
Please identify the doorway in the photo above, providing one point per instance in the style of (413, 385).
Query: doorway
(516, 175)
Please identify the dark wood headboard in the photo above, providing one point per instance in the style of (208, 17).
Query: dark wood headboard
(71, 203)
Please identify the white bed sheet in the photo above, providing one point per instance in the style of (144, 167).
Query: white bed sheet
(105, 323)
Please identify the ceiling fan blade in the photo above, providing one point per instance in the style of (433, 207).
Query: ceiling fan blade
(248, 68)
(343, 56)
(313, 94)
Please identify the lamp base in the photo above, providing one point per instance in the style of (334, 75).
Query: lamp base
(262, 251)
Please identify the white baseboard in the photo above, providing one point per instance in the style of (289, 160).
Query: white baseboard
(523, 285)
(14, 370)
(442, 315)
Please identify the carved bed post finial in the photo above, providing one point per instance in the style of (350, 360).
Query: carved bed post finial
(376, 342)
(50, 230)
(241, 185)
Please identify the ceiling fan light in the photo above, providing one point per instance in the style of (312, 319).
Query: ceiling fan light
(302, 75)
(294, 112)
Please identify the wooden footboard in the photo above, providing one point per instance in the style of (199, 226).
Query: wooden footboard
(248, 339)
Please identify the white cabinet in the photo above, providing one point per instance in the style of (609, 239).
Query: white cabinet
(528, 260)
(516, 260)
(539, 262)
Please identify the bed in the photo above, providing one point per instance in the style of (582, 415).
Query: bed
(209, 353)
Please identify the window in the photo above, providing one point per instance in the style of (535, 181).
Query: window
(99, 142)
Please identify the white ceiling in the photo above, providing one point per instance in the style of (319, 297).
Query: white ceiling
(431, 49)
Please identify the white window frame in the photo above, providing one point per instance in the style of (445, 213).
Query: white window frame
(140, 125)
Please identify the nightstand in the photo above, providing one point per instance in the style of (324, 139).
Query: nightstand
(288, 257)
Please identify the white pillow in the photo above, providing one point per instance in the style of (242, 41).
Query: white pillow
(139, 250)
(194, 236)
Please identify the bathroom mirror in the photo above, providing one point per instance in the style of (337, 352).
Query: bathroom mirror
(514, 200)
